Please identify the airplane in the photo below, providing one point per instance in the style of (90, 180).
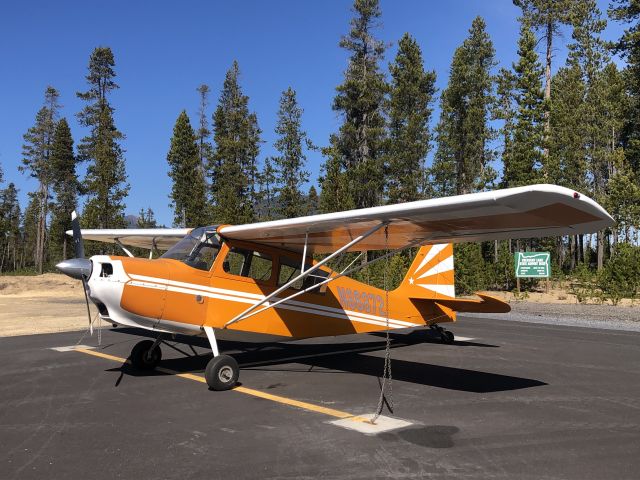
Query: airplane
(260, 281)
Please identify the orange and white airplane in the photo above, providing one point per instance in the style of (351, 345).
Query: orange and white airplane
(260, 280)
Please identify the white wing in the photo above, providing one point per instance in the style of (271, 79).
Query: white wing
(161, 238)
(522, 212)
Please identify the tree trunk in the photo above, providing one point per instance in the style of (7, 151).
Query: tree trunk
(581, 256)
(600, 249)
(572, 253)
(547, 90)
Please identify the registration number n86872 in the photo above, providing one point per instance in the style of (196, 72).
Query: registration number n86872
(362, 301)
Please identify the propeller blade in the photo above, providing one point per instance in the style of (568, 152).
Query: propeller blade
(78, 267)
(86, 299)
(77, 235)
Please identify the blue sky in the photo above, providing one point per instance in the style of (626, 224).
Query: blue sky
(165, 49)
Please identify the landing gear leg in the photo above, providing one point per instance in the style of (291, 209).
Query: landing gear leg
(146, 355)
(446, 336)
(222, 371)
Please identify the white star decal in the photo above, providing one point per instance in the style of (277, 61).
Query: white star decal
(411, 280)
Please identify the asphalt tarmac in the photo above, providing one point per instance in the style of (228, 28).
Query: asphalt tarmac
(520, 400)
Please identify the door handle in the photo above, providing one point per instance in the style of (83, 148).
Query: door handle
(199, 299)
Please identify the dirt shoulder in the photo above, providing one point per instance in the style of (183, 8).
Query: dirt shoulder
(556, 296)
(48, 303)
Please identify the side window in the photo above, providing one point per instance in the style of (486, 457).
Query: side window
(260, 267)
(287, 273)
(248, 263)
(234, 262)
(289, 269)
(202, 257)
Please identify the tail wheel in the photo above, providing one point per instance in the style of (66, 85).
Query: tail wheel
(222, 373)
(447, 337)
(143, 357)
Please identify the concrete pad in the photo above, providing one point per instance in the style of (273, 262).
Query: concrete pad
(71, 348)
(383, 424)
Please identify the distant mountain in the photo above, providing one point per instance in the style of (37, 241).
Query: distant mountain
(132, 221)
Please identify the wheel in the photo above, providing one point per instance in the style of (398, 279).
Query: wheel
(143, 358)
(447, 337)
(222, 372)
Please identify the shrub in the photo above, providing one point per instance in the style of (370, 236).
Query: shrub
(620, 277)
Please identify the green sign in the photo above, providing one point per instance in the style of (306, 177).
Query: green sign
(533, 264)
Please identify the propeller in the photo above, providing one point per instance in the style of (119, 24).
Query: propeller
(78, 267)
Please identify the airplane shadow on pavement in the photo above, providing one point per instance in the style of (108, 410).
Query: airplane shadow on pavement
(345, 357)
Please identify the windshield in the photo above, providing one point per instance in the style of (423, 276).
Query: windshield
(198, 249)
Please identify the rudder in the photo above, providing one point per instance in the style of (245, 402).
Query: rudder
(431, 274)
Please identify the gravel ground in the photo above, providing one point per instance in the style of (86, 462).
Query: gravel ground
(592, 316)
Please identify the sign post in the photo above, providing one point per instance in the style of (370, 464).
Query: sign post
(532, 265)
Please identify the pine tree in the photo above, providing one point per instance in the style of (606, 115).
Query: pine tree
(523, 162)
(106, 180)
(10, 216)
(606, 100)
(233, 166)
(335, 194)
(410, 107)
(628, 46)
(462, 160)
(290, 164)
(36, 160)
(547, 16)
(205, 149)
(312, 201)
(354, 165)
(65, 185)
(566, 164)
(600, 115)
(266, 208)
(146, 219)
(29, 232)
(188, 190)
(505, 109)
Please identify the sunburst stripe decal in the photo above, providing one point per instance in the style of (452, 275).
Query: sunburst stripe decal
(445, 265)
(435, 271)
(433, 251)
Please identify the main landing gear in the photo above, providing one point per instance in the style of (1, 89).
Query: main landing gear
(446, 336)
(222, 371)
(146, 355)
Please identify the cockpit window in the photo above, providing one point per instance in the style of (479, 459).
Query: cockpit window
(198, 249)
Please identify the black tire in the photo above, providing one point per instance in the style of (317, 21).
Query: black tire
(144, 359)
(447, 337)
(222, 373)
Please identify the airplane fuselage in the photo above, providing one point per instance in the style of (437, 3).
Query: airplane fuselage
(171, 296)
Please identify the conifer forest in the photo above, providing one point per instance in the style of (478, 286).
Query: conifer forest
(575, 124)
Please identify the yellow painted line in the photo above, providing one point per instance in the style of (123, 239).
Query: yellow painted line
(248, 391)
(102, 355)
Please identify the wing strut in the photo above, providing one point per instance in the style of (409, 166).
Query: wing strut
(305, 274)
(347, 270)
(117, 242)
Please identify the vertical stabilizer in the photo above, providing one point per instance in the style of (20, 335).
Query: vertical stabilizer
(431, 273)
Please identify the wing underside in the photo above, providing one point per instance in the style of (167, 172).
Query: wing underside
(522, 212)
(158, 238)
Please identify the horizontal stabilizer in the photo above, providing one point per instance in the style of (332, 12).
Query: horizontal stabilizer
(486, 304)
